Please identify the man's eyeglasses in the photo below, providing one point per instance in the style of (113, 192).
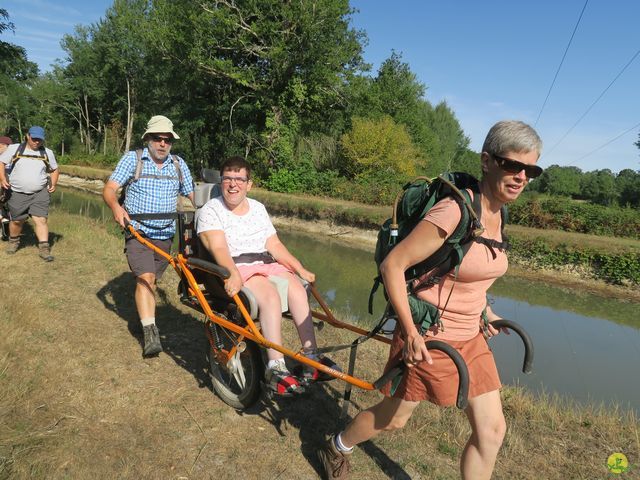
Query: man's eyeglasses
(238, 180)
(514, 166)
(157, 138)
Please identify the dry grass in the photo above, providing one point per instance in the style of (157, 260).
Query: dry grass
(78, 401)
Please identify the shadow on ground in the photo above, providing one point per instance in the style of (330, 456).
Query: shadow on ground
(316, 413)
(184, 341)
(29, 239)
(182, 335)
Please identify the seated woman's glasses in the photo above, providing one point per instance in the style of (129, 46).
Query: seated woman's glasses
(238, 180)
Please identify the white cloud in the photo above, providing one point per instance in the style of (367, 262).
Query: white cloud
(48, 7)
(27, 40)
(51, 21)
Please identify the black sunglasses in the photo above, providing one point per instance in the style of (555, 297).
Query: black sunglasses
(157, 138)
(514, 166)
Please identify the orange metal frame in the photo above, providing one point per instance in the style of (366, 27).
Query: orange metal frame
(251, 331)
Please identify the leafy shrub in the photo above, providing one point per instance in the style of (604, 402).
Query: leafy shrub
(618, 268)
(574, 216)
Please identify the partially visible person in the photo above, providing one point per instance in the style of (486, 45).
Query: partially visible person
(508, 160)
(32, 179)
(238, 233)
(162, 178)
(4, 221)
(4, 143)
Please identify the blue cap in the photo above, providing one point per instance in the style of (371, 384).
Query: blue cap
(36, 132)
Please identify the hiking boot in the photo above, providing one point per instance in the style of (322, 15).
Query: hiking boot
(44, 251)
(280, 381)
(335, 464)
(152, 345)
(310, 374)
(13, 245)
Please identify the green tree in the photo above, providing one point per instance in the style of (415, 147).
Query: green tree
(396, 91)
(378, 145)
(628, 187)
(279, 68)
(17, 74)
(557, 180)
(599, 187)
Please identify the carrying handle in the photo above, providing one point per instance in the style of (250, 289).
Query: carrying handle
(526, 339)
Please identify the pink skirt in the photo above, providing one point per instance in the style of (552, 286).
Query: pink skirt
(263, 269)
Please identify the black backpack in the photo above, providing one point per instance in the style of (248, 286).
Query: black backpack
(20, 154)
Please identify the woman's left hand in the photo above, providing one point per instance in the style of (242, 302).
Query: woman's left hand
(490, 331)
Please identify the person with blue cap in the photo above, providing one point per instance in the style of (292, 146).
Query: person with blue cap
(30, 173)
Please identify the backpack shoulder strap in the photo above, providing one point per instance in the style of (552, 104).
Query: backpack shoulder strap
(19, 152)
(45, 159)
(139, 164)
(176, 163)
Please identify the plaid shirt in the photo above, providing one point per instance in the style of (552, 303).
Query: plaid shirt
(153, 195)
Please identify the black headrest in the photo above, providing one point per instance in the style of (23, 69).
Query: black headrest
(210, 175)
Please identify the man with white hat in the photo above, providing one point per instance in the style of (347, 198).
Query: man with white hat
(33, 178)
(152, 179)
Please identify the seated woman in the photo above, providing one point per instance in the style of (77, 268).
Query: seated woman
(239, 235)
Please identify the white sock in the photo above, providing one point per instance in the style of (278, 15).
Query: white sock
(340, 446)
(148, 321)
(277, 364)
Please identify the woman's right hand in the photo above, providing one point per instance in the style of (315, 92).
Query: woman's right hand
(415, 351)
(233, 284)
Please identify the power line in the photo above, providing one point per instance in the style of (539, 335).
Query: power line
(561, 62)
(593, 104)
(610, 141)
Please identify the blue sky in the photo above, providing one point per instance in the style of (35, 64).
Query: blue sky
(488, 60)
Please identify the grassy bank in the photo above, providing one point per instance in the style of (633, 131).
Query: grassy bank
(78, 401)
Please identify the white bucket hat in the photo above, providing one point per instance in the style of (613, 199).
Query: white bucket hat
(160, 124)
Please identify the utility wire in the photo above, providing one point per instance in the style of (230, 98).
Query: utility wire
(610, 141)
(593, 104)
(561, 62)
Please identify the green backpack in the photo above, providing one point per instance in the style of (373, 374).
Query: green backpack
(412, 203)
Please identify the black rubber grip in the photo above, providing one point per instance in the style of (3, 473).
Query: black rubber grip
(528, 344)
(154, 216)
(209, 267)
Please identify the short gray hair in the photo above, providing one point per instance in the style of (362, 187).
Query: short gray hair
(511, 136)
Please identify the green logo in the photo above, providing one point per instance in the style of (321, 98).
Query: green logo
(617, 463)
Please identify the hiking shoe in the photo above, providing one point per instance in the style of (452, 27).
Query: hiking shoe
(335, 464)
(152, 345)
(310, 374)
(13, 245)
(280, 381)
(44, 251)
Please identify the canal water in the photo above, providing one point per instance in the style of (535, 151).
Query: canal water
(587, 348)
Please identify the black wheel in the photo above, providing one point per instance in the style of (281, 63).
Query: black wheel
(238, 382)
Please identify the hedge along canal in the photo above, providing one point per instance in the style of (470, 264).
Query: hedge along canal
(586, 348)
